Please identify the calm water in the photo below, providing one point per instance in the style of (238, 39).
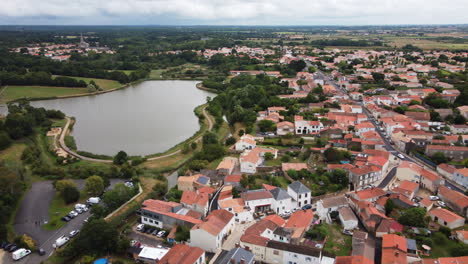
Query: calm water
(142, 119)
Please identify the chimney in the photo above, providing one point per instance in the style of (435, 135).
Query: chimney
(232, 261)
(242, 261)
(237, 245)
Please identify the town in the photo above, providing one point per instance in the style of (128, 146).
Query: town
(305, 154)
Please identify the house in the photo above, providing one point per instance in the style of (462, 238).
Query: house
(363, 128)
(191, 183)
(394, 249)
(251, 159)
(463, 110)
(280, 252)
(164, 214)
(362, 176)
(282, 201)
(209, 235)
(236, 255)
(300, 219)
(446, 170)
(227, 165)
(237, 207)
(327, 205)
(233, 180)
(457, 153)
(455, 200)
(407, 188)
(413, 172)
(300, 194)
(363, 248)
(258, 200)
(151, 254)
(459, 129)
(369, 195)
(284, 128)
(462, 236)
(446, 218)
(183, 254)
(245, 142)
(388, 226)
(305, 126)
(197, 200)
(347, 218)
(461, 177)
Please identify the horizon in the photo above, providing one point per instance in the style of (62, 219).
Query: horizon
(234, 12)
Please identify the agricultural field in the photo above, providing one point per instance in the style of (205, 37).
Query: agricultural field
(11, 93)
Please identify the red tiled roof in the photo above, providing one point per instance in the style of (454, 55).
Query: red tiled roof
(182, 254)
(454, 260)
(300, 219)
(215, 222)
(256, 195)
(370, 193)
(276, 219)
(232, 178)
(445, 215)
(453, 196)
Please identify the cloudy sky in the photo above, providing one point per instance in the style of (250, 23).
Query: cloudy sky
(232, 12)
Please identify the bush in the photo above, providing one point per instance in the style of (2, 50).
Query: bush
(70, 194)
(230, 141)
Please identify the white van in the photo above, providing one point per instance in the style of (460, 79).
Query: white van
(94, 200)
(20, 253)
(79, 206)
(60, 241)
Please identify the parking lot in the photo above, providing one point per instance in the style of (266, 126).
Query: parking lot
(34, 212)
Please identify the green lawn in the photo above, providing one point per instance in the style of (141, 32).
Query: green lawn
(57, 210)
(103, 83)
(337, 243)
(16, 92)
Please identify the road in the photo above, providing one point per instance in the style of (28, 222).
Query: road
(214, 202)
(33, 212)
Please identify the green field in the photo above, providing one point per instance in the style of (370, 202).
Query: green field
(11, 93)
(103, 83)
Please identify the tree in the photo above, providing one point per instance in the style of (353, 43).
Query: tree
(70, 194)
(266, 125)
(269, 156)
(333, 154)
(230, 141)
(117, 196)
(389, 206)
(378, 77)
(185, 148)
(87, 241)
(210, 138)
(439, 158)
(241, 133)
(194, 145)
(94, 185)
(5, 140)
(61, 185)
(120, 158)
(413, 217)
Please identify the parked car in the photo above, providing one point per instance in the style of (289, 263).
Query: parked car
(287, 213)
(60, 241)
(401, 156)
(79, 206)
(155, 232)
(41, 252)
(13, 248)
(20, 253)
(140, 227)
(66, 218)
(442, 204)
(348, 232)
(433, 198)
(9, 247)
(3, 244)
(94, 200)
(73, 214)
(161, 233)
(86, 220)
(79, 210)
(307, 206)
(74, 233)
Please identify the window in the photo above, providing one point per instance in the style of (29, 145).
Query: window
(151, 221)
(308, 259)
(295, 255)
(145, 219)
(299, 196)
(275, 252)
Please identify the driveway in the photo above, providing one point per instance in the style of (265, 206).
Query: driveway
(33, 212)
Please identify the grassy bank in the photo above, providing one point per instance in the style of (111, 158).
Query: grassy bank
(12, 93)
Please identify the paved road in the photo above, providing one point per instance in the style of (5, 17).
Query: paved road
(388, 178)
(214, 201)
(34, 212)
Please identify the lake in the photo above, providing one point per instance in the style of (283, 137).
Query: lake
(146, 118)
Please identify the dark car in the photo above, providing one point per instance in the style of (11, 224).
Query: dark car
(149, 230)
(6, 246)
(3, 244)
(13, 248)
(155, 232)
(41, 252)
(66, 218)
(307, 206)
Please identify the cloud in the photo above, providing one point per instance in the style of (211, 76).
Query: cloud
(241, 11)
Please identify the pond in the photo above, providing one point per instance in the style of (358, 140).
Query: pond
(146, 118)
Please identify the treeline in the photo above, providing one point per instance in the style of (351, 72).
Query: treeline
(346, 42)
(38, 78)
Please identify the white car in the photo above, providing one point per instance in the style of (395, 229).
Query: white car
(73, 213)
(140, 227)
(401, 156)
(433, 198)
(287, 212)
(74, 233)
(79, 210)
(161, 233)
(442, 204)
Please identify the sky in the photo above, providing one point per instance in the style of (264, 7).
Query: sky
(232, 12)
